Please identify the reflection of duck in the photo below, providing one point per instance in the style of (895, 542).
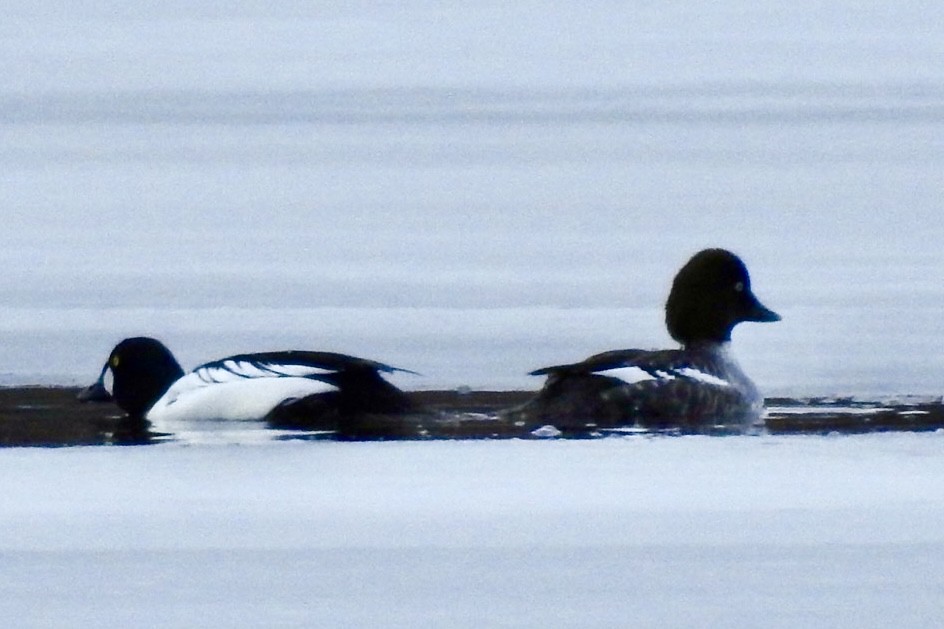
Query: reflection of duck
(698, 385)
(292, 389)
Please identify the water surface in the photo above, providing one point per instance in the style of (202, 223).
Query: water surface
(471, 192)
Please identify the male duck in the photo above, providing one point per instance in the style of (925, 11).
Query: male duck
(697, 386)
(290, 389)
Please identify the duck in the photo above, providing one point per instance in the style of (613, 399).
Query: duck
(302, 390)
(695, 387)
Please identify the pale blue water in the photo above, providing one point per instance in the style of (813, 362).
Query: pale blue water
(471, 192)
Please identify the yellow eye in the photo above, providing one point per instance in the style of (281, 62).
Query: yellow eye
(114, 361)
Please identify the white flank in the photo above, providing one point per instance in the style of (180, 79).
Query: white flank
(629, 375)
(244, 399)
(701, 376)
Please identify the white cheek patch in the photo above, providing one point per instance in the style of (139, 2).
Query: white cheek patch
(701, 376)
(629, 375)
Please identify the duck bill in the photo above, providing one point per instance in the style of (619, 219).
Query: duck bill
(97, 391)
(760, 313)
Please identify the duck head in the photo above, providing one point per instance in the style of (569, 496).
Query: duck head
(142, 370)
(710, 295)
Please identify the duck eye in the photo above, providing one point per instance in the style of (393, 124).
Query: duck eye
(739, 287)
(114, 361)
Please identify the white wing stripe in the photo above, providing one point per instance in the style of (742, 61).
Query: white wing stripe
(241, 370)
(629, 375)
(701, 376)
(635, 375)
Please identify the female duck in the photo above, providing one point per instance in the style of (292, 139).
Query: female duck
(697, 386)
